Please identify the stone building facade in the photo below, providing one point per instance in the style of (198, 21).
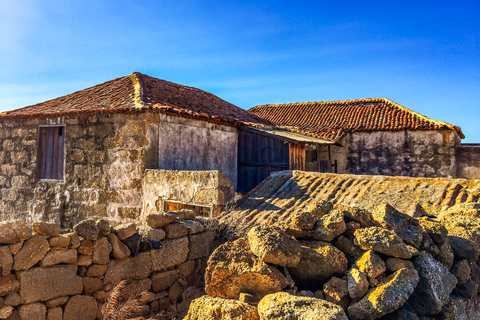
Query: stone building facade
(85, 154)
(378, 136)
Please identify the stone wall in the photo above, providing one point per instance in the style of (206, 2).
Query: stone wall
(103, 171)
(51, 275)
(205, 188)
(396, 153)
(188, 144)
(468, 161)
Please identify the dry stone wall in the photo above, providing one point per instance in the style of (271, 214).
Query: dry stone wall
(49, 274)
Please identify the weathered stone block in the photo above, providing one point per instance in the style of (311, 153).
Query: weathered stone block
(124, 231)
(57, 256)
(6, 260)
(200, 244)
(33, 311)
(173, 252)
(137, 267)
(101, 251)
(91, 285)
(45, 228)
(14, 231)
(176, 230)
(41, 284)
(8, 284)
(55, 313)
(33, 250)
(162, 281)
(80, 308)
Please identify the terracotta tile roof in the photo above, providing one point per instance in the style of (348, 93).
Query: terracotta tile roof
(332, 119)
(139, 92)
(286, 192)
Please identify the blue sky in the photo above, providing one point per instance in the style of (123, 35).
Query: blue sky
(424, 55)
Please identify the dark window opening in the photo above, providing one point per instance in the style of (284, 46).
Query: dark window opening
(50, 157)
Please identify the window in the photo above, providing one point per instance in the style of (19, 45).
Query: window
(50, 155)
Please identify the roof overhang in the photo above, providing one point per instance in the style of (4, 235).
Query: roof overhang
(294, 137)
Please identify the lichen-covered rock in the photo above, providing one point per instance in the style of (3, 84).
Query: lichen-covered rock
(87, 229)
(273, 245)
(12, 231)
(45, 228)
(371, 264)
(383, 241)
(385, 298)
(336, 291)
(283, 306)
(303, 220)
(357, 284)
(33, 250)
(200, 245)
(329, 226)
(176, 230)
(233, 268)
(435, 285)
(103, 227)
(320, 261)
(209, 308)
(320, 208)
(435, 229)
(158, 220)
(466, 227)
(406, 227)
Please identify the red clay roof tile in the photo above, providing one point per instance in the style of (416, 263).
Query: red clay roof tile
(332, 119)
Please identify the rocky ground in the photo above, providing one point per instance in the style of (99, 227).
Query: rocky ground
(337, 262)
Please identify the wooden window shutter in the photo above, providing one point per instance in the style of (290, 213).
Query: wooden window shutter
(50, 159)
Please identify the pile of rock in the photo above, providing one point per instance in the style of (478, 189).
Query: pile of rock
(50, 274)
(345, 263)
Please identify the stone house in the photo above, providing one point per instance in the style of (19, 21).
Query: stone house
(131, 145)
(377, 136)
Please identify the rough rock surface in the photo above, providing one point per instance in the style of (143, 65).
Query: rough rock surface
(385, 298)
(406, 227)
(80, 308)
(12, 231)
(233, 268)
(320, 261)
(371, 264)
(283, 306)
(383, 241)
(119, 250)
(124, 231)
(208, 308)
(87, 229)
(434, 288)
(6, 260)
(336, 291)
(33, 250)
(329, 226)
(158, 220)
(272, 245)
(45, 228)
(357, 284)
(303, 220)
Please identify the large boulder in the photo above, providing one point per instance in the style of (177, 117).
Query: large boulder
(406, 227)
(435, 285)
(209, 308)
(329, 226)
(386, 298)
(272, 245)
(383, 241)
(320, 261)
(283, 306)
(233, 268)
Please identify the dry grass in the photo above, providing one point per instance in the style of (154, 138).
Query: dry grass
(126, 302)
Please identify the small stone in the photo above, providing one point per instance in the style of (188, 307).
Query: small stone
(8, 284)
(60, 241)
(395, 264)
(176, 230)
(87, 229)
(320, 208)
(56, 302)
(45, 228)
(336, 291)
(150, 233)
(33, 311)
(329, 226)
(15, 247)
(101, 251)
(162, 281)
(84, 260)
(383, 241)
(186, 269)
(91, 285)
(96, 270)
(319, 294)
(5, 312)
(464, 248)
(461, 270)
(306, 293)
(86, 247)
(273, 245)
(55, 314)
(12, 231)
(184, 214)
(371, 264)
(468, 290)
(193, 226)
(33, 250)
(6, 260)
(12, 299)
(103, 227)
(158, 220)
(445, 255)
(247, 298)
(209, 223)
(124, 231)
(303, 220)
(119, 250)
(80, 308)
(437, 232)
(357, 284)
(74, 240)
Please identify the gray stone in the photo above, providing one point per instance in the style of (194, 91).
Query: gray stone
(41, 284)
(33, 250)
(133, 243)
(357, 284)
(459, 308)
(193, 226)
(464, 248)
(158, 220)
(87, 229)
(461, 270)
(434, 288)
